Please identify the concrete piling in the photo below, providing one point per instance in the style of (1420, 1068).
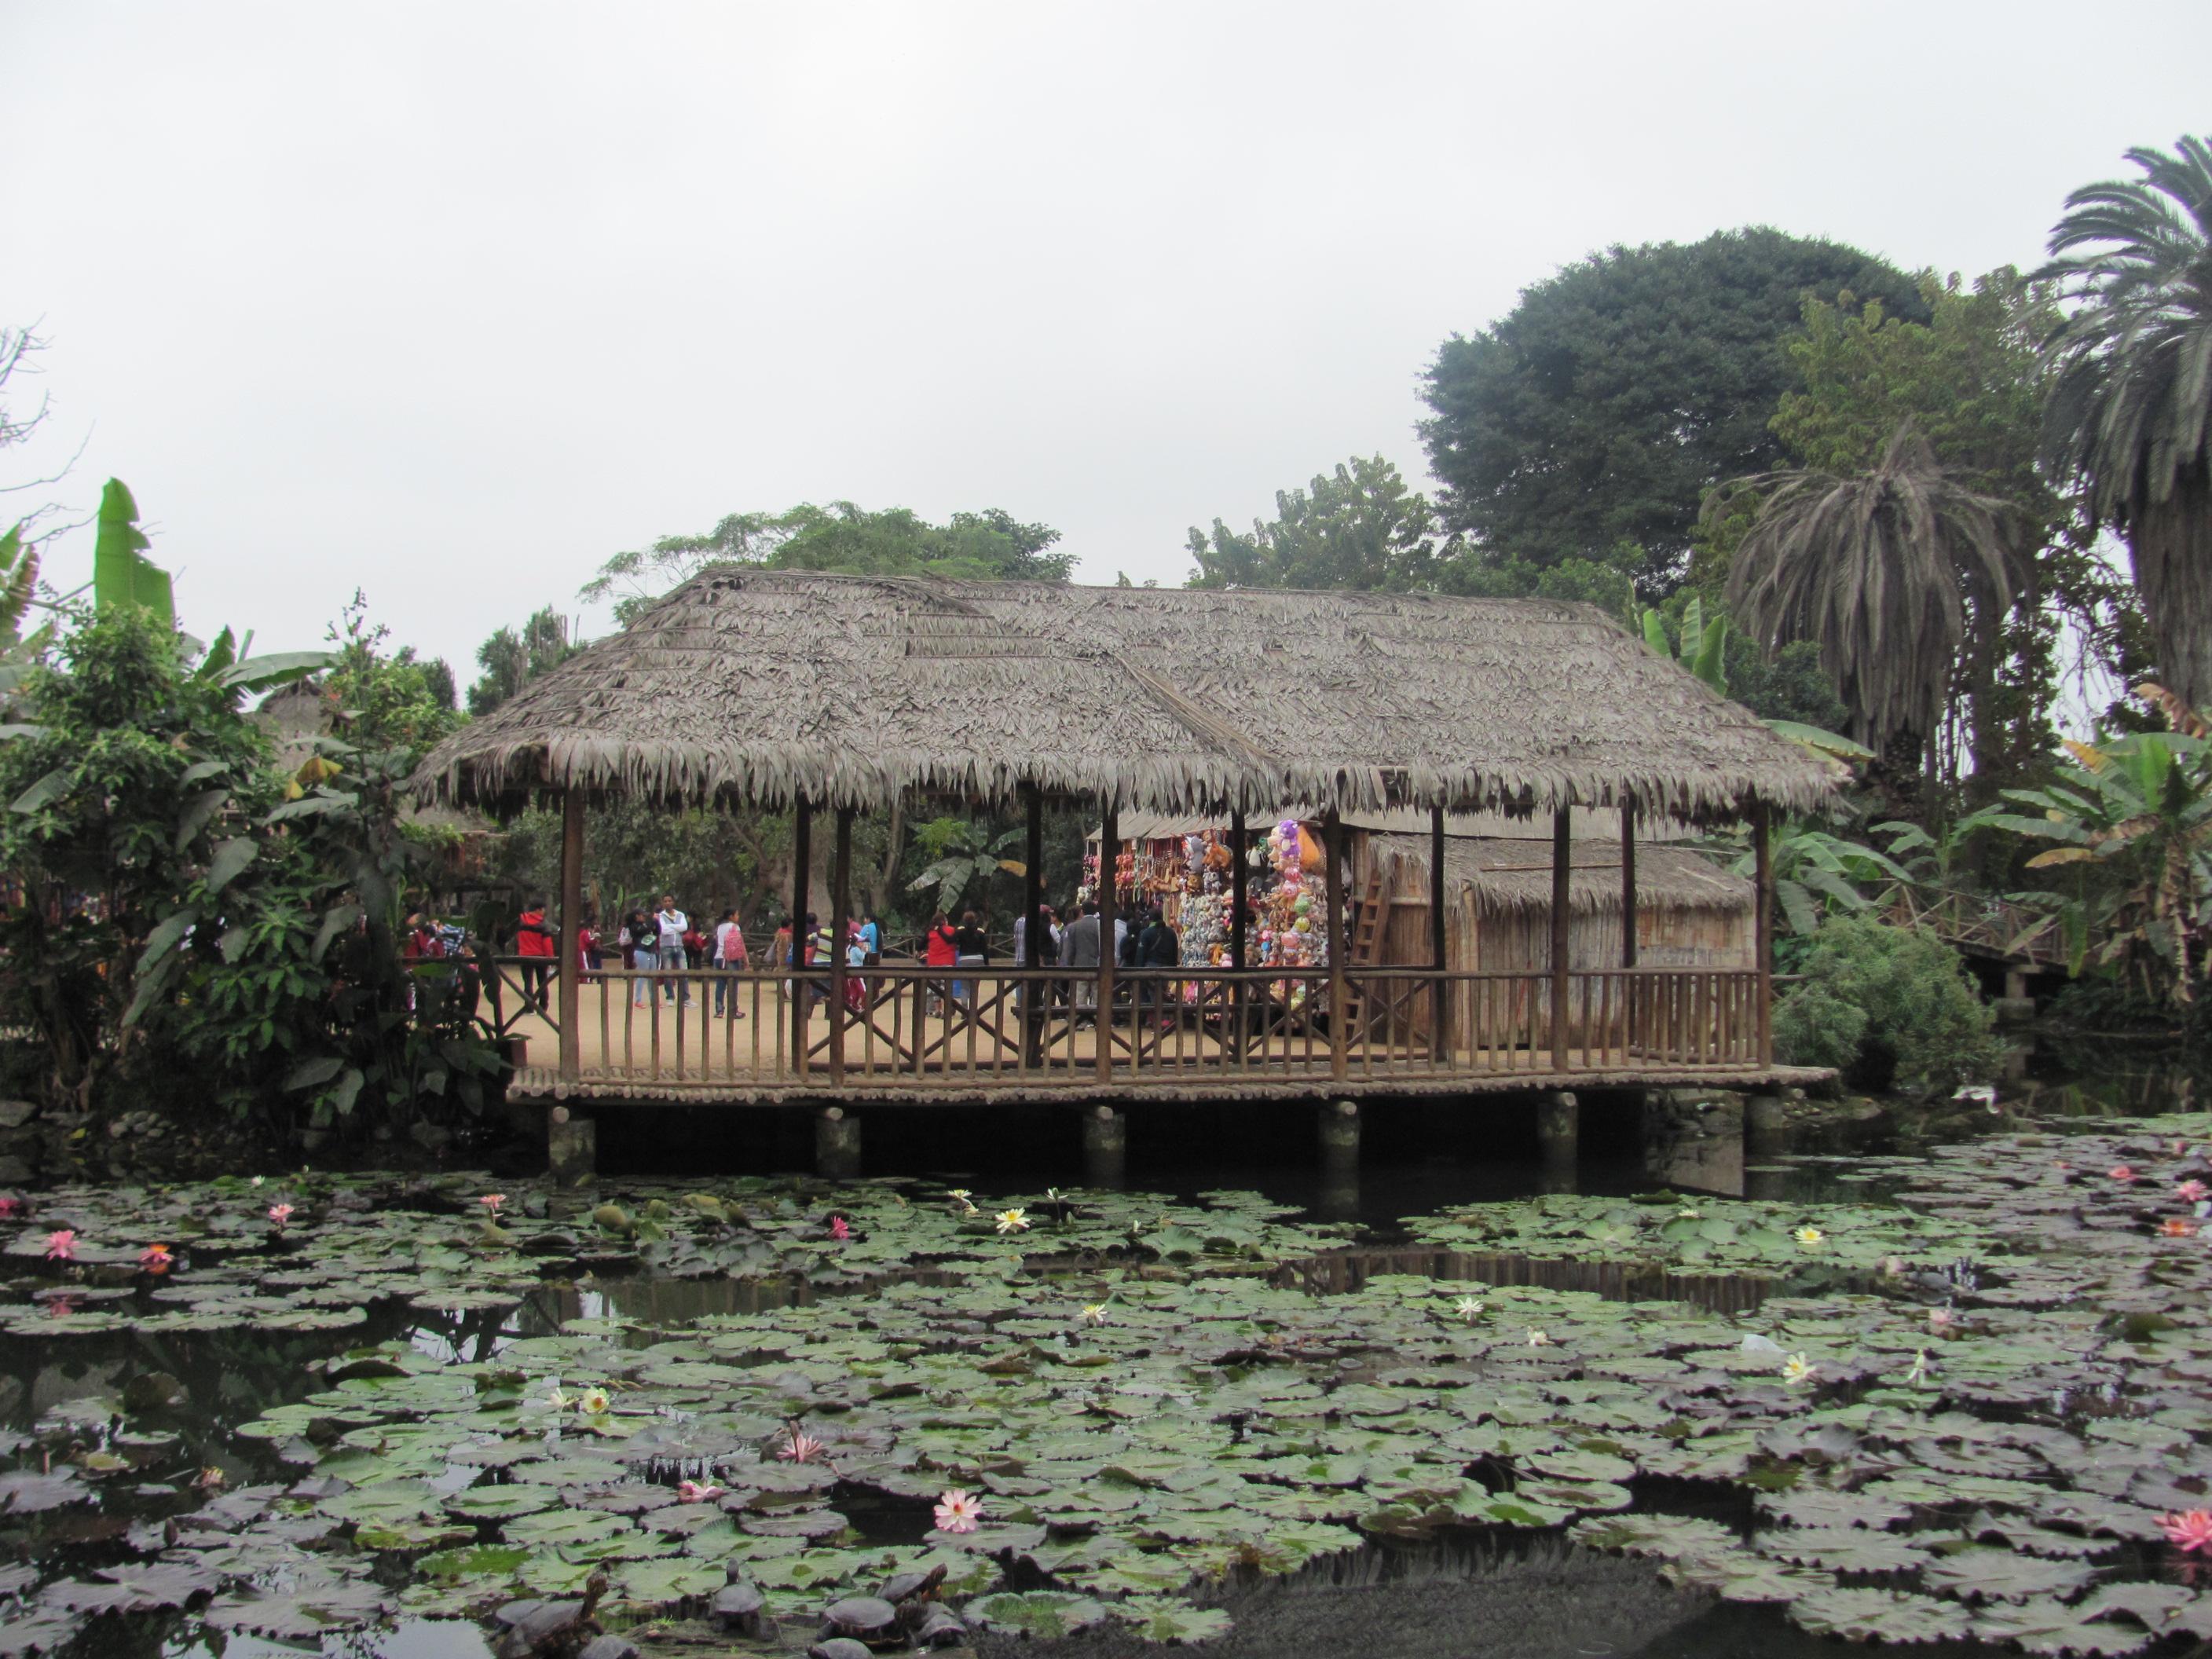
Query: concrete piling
(836, 1144)
(572, 1147)
(1105, 1147)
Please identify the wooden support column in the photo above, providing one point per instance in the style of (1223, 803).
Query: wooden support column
(1763, 923)
(841, 913)
(1032, 992)
(802, 854)
(1110, 856)
(1440, 1022)
(1233, 1023)
(1563, 857)
(1340, 1049)
(571, 930)
(1239, 855)
(1627, 885)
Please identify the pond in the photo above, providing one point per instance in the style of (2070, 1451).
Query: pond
(1955, 1400)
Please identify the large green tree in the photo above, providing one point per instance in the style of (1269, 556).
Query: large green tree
(1615, 394)
(1357, 527)
(511, 660)
(2129, 419)
(1971, 382)
(991, 545)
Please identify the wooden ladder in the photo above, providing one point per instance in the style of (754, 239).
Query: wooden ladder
(1368, 921)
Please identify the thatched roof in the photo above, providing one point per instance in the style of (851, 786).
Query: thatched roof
(1593, 823)
(1503, 877)
(753, 685)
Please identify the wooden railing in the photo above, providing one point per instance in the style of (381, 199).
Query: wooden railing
(902, 1024)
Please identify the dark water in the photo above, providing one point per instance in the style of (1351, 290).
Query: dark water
(1417, 1157)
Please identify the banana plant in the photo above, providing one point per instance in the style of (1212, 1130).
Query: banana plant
(964, 857)
(1817, 875)
(1701, 647)
(2134, 817)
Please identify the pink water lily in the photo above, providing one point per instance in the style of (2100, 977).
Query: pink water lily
(799, 1446)
(2190, 1531)
(60, 1245)
(491, 1201)
(958, 1511)
(2175, 1227)
(2121, 1172)
(2192, 1191)
(8, 1205)
(698, 1492)
(157, 1259)
(279, 1214)
(840, 1228)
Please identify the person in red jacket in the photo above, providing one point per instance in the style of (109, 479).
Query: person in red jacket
(537, 943)
(937, 951)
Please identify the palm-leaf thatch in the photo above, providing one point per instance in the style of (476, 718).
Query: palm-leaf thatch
(2129, 413)
(764, 685)
(1886, 572)
(1514, 877)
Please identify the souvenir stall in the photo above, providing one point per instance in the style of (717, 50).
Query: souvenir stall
(1184, 868)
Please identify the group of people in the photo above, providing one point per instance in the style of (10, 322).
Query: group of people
(659, 946)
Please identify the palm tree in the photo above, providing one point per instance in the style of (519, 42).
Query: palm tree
(2131, 404)
(1889, 572)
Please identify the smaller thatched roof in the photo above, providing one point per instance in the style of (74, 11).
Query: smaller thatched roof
(1591, 823)
(1508, 877)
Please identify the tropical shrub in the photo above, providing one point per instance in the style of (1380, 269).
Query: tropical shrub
(1880, 1004)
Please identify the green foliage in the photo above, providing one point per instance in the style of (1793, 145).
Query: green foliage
(510, 661)
(1971, 381)
(1882, 1003)
(2128, 422)
(962, 855)
(2133, 818)
(191, 912)
(1700, 643)
(1617, 393)
(1358, 528)
(1817, 875)
(1607, 581)
(988, 546)
(122, 574)
(382, 698)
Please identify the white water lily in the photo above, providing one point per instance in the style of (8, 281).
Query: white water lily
(1015, 1220)
(593, 1402)
(1539, 1338)
(1095, 1314)
(1468, 1307)
(1798, 1369)
(1686, 1213)
(1809, 1235)
(1918, 1374)
(557, 1399)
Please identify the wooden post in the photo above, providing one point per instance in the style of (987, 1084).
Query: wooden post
(571, 930)
(1763, 924)
(840, 911)
(1238, 853)
(1110, 856)
(1440, 1033)
(1563, 858)
(1340, 1052)
(1032, 992)
(1627, 885)
(802, 854)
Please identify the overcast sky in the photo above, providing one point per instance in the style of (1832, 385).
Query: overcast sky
(448, 302)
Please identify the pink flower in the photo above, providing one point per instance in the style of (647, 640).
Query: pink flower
(799, 1446)
(840, 1228)
(2192, 1191)
(1940, 1319)
(60, 1245)
(2121, 1172)
(2174, 1227)
(9, 1207)
(157, 1259)
(60, 1307)
(698, 1492)
(491, 1201)
(958, 1511)
(2189, 1531)
(279, 1214)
